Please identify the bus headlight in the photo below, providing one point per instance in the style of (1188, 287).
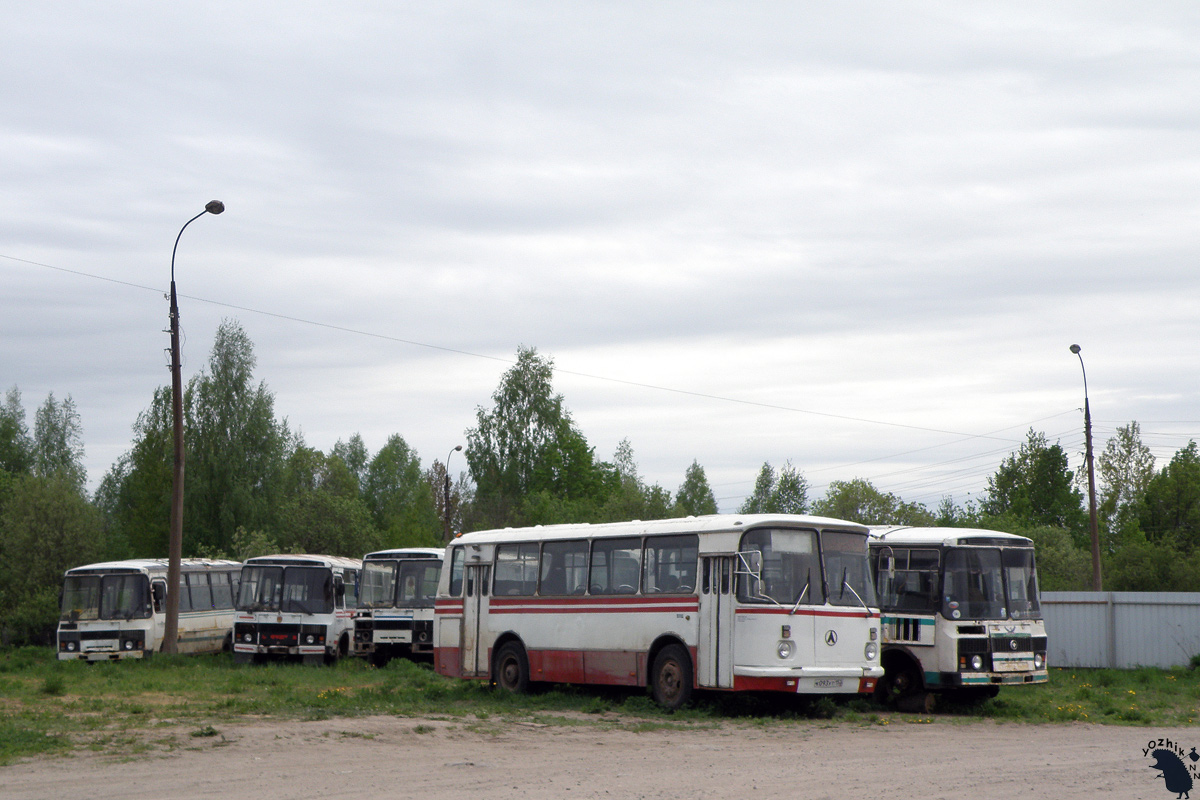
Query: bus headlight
(976, 662)
(129, 644)
(70, 647)
(310, 639)
(247, 638)
(871, 651)
(785, 649)
(1039, 661)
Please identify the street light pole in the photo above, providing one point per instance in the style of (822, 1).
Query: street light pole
(1087, 432)
(175, 542)
(446, 498)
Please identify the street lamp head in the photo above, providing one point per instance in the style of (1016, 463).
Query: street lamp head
(215, 207)
(457, 447)
(1075, 349)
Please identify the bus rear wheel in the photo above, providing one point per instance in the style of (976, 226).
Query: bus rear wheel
(512, 668)
(671, 677)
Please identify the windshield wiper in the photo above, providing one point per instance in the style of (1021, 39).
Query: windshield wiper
(846, 583)
(803, 592)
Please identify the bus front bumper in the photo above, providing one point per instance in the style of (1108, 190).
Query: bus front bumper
(807, 680)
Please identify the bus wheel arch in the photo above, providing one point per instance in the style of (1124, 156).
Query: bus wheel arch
(510, 665)
(903, 682)
(671, 677)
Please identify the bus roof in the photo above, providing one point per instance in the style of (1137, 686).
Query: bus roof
(897, 534)
(304, 560)
(715, 523)
(406, 552)
(152, 565)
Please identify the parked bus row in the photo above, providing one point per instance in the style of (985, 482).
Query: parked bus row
(778, 603)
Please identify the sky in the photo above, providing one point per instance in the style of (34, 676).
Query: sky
(857, 237)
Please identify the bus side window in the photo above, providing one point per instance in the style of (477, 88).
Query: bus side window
(200, 590)
(222, 590)
(670, 565)
(516, 569)
(158, 591)
(185, 595)
(456, 573)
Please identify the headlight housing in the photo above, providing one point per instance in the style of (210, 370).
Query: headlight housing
(871, 651)
(976, 662)
(1039, 661)
(785, 649)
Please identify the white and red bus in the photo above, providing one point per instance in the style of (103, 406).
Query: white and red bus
(395, 603)
(961, 613)
(777, 603)
(295, 606)
(117, 609)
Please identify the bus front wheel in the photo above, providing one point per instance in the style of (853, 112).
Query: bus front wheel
(512, 668)
(671, 677)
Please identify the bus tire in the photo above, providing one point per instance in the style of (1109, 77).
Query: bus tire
(512, 668)
(671, 677)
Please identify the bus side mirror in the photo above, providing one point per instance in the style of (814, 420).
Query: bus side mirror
(752, 561)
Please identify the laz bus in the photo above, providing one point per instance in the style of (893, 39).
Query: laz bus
(961, 614)
(395, 603)
(117, 609)
(297, 606)
(776, 603)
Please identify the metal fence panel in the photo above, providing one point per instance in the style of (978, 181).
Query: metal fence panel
(1122, 629)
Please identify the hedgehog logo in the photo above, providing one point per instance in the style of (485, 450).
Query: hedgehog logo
(1173, 772)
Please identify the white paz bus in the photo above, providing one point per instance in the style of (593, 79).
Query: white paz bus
(117, 609)
(297, 606)
(738, 603)
(961, 613)
(395, 603)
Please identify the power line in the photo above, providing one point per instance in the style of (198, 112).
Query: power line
(414, 343)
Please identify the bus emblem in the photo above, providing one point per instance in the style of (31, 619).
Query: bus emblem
(831, 638)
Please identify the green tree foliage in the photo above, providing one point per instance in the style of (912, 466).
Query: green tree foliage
(47, 526)
(135, 495)
(1170, 511)
(695, 496)
(1126, 467)
(785, 493)
(58, 442)
(16, 446)
(1035, 487)
(859, 501)
(235, 446)
(626, 495)
(323, 522)
(1152, 567)
(525, 454)
(354, 455)
(400, 498)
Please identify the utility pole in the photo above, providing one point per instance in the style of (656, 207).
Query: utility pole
(175, 541)
(446, 513)
(1093, 525)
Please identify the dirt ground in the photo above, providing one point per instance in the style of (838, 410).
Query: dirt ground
(387, 757)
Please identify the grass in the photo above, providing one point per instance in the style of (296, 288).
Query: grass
(49, 707)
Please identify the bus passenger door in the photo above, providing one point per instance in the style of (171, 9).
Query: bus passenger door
(714, 653)
(475, 606)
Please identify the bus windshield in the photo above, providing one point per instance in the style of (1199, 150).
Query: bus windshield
(1020, 583)
(417, 583)
(299, 590)
(848, 569)
(87, 597)
(973, 584)
(791, 568)
(378, 584)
